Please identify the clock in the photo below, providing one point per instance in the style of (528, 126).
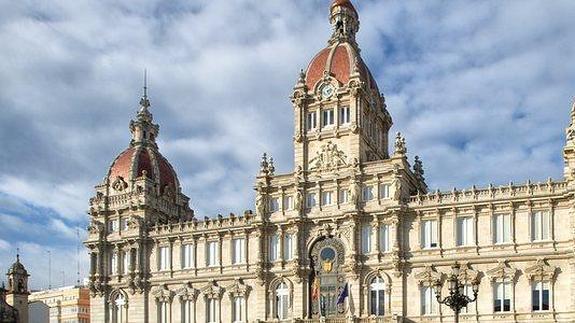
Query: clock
(327, 91)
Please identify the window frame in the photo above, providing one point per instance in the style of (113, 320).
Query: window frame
(506, 288)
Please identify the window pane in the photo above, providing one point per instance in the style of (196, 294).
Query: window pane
(535, 299)
(544, 226)
(366, 238)
(545, 300)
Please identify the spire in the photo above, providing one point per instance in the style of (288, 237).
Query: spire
(144, 101)
(143, 129)
(344, 20)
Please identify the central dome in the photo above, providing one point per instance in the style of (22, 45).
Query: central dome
(339, 60)
(141, 161)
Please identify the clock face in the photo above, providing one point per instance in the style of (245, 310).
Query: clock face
(327, 91)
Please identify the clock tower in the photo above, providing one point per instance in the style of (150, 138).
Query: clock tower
(340, 116)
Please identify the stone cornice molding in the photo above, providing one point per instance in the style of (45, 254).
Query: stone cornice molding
(541, 271)
(428, 277)
(502, 272)
(212, 290)
(187, 292)
(238, 289)
(163, 294)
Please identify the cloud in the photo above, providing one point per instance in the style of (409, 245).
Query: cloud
(480, 87)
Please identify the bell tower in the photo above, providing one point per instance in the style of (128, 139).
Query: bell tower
(340, 116)
(17, 291)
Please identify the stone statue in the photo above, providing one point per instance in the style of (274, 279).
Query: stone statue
(400, 146)
(260, 204)
(354, 192)
(298, 202)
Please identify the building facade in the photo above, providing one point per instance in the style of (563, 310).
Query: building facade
(62, 305)
(353, 221)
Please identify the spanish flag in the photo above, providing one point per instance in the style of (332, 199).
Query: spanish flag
(315, 289)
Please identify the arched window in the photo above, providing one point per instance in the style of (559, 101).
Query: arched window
(282, 301)
(119, 307)
(377, 296)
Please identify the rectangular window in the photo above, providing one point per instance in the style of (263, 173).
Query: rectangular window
(274, 247)
(288, 203)
(113, 225)
(188, 256)
(310, 200)
(238, 310)
(429, 234)
(343, 196)
(502, 297)
(238, 250)
(163, 313)
(366, 238)
(114, 263)
(384, 238)
(124, 224)
(501, 228)
(288, 246)
(211, 310)
(468, 291)
(327, 118)
(465, 231)
(126, 262)
(212, 254)
(540, 226)
(540, 296)
(311, 121)
(164, 253)
(187, 311)
(383, 191)
(274, 204)
(367, 193)
(428, 301)
(344, 115)
(326, 198)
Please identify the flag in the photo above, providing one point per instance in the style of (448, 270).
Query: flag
(343, 294)
(315, 289)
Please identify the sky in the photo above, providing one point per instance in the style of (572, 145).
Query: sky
(481, 90)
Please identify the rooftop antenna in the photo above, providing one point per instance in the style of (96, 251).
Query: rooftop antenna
(49, 269)
(145, 82)
(78, 256)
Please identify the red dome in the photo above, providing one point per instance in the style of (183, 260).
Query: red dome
(141, 161)
(339, 60)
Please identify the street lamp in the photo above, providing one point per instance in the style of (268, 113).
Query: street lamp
(457, 298)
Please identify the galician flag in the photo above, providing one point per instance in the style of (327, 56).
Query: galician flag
(343, 294)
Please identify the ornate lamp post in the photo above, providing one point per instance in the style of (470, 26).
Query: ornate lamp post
(457, 298)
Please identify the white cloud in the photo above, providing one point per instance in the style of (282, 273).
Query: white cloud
(482, 87)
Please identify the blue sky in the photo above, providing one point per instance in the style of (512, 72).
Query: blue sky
(481, 90)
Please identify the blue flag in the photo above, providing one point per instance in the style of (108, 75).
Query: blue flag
(343, 294)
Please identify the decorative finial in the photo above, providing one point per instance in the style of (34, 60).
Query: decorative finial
(418, 169)
(301, 79)
(271, 167)
(264, 164)
(17, 254)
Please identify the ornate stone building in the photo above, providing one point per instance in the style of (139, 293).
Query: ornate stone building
(352, 219)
